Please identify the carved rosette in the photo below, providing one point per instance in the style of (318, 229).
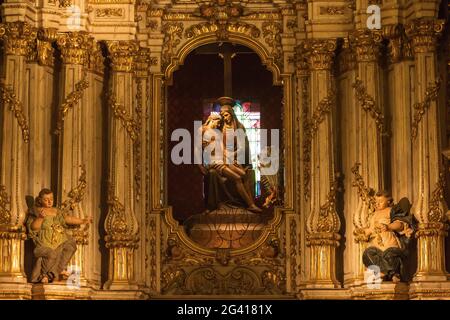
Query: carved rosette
(19, 39)
(367, 44)
(121, 228)
(122, 54)
(96, 60)
(45, 51)
(320, 53)
(424, 34)
(75, 47)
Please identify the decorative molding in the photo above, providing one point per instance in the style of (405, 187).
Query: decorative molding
(5, 213)
(424, 33)
(8, 97)
(70, 102)
(420, 108)
(435, 213)
(120, 113)
(293, 253)
(367, 44)
(19, 39)
(265, 16)
(137, 142)
(76, 195)
(142, 62)
(75, 47)
(173, 32)
(109, 12)
(152, 244)
(369, 105)
(271, 34)
(333, 10)
(206, 28)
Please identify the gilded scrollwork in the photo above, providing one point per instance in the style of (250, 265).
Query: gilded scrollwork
(367, 196)
(435, 212)
(5, 213)
(272, 35)
(120, 113)
(121, 230)
(328, 220)
(173, 32)
(421, 108)
(323, 108)
(369, 105)
(70, 102)
(109, 12)
(333, 10)
(293, 252)
(207, 27)
(76, 195)
(9, 98)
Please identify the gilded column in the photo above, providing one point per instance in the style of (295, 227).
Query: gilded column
(121, 224)
(370, 123)
(428, 180)
(323, 222)
(71, 129)
(18, 41)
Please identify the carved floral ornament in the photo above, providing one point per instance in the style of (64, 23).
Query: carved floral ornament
(19, 38)
(75, 47)
(5, 213)
(367, 44)
(8, 97)
(76, 195)
(122, 55)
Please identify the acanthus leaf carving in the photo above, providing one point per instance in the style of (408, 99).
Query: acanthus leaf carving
(173, 32)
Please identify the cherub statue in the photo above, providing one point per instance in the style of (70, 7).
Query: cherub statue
(389, 231)
(54, 248)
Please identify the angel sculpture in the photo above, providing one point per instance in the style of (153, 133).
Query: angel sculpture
(390, 229)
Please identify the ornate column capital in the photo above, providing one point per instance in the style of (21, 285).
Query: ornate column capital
(122, 55)
(19, 38)
(399, 46)
(346, 58)
(96, 61)
(424, 33)
(320, 52)
(367, 44)
(75, 47)
(45, 51)
(142, 62)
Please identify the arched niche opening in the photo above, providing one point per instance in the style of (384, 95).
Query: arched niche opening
(211, 71)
